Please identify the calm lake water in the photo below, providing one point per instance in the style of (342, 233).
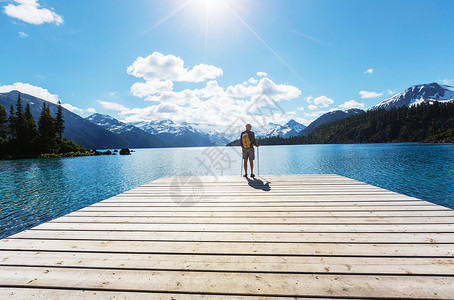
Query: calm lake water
(35, 191)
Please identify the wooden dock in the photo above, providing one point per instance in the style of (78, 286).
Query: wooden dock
(307, 236)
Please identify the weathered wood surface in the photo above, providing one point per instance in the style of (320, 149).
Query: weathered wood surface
(307, 236)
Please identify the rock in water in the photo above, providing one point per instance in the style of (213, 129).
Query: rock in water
(125, 151)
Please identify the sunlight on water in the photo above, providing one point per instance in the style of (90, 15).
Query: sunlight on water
(35, 191)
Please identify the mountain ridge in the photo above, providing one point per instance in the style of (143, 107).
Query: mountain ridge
(135, 137)
(416, 94)
(329, 117)
(81, 131)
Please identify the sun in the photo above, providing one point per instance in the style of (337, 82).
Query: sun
(212, 9)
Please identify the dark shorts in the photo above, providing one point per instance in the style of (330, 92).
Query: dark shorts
(248, 153)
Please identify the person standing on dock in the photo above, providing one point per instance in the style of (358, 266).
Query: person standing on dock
(247, 142)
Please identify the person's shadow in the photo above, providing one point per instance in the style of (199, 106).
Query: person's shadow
(258, 184)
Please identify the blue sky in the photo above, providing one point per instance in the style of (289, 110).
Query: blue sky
(197, 61)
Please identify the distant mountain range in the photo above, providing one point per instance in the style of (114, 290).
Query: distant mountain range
(289, 129)
(133, 136)
(100, 131)
(417, 94)
(170, 134)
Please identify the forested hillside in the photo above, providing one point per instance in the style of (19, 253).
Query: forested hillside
(427, 122)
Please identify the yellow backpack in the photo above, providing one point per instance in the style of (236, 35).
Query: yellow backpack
(246, 140)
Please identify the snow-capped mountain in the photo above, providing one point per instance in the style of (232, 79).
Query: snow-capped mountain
(330, 117)
(289, 129)
(166, 133)
(134, 137)
(418, 94)
(184, 134)
(110, 123)
(164, 126)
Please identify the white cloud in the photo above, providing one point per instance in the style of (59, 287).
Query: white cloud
(22, 35)
(315, 114)
(212, 104)
(75, 109)
(140, 89)
(252, 80)
(158, 66)
(309, 99)
(369, 71)
(113, 105)
(29, 11)
(312, 107)
(262, 74)
(276, 91)
(390, 92)
(300, 108)
(112, 94)
(367, 95)
(41, 93)
(323, 101)
(446, 81)
(351, 104)
(27, 88)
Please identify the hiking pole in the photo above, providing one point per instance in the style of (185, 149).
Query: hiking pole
(241, 164)
(258, 161)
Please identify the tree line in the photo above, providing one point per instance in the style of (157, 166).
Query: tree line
(22, 137)
(417, 123)
(426, 122)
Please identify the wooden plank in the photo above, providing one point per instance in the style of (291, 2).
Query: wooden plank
(248, 220)
(233, 283)
(339, 249)
(307, 208)
(255, 204)
(264, 214)
(265, 200)
(295, 237)
(238, 263)
(253, 227)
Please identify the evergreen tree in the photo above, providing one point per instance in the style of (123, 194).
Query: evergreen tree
(12, 123)
(59, 121)
(3, 122)
(20, 120)
(19, 143)
(29, 132)
(47, 131)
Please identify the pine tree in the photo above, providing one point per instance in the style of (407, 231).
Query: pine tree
(47, 131)
(19, 144)
(59, 121)
(20, 121)
(29, 132)
(3, 122)
(12, 123)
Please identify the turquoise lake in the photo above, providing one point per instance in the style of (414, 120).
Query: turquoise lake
(36, 191)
